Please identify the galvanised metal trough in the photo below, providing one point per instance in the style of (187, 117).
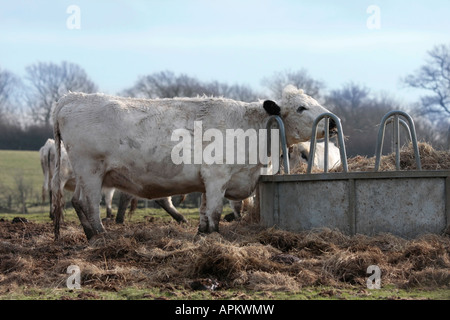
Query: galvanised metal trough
(403, 203)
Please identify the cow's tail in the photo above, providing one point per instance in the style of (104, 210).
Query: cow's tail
(57, 196)
(49, 180)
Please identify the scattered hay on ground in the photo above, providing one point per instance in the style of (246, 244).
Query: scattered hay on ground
(243, 256)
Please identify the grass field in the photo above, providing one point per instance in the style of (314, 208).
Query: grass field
(20, 163)
(21, 179)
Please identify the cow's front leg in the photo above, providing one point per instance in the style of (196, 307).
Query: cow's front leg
(203, 225)
(214, 206)
(81, 210)
(215, 180)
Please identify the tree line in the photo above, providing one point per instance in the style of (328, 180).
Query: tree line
(26, 104)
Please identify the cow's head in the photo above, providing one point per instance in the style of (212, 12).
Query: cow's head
(298, 112)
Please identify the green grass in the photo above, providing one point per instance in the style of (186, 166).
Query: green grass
(17, 163)
(21, 180)
(40, 214)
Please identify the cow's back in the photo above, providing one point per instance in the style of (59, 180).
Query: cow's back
(129, 140)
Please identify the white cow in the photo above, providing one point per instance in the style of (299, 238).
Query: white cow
(300, 153)
(48, 163)
(128, 143)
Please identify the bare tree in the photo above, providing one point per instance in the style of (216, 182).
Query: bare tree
(300, 78)
(49, 81)
(360, 115)
(5, 198)
(434, 132)
(24, 191)
(434, 77)
(347, 101)
(166, 84)
(9, 85)
(235, 91)
(9, 102)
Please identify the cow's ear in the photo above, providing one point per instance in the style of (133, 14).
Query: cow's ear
(271, 108)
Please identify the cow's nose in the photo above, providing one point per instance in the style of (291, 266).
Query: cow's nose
(332, 127)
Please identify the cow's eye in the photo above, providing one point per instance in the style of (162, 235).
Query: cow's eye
(304, 156)
(301, 109)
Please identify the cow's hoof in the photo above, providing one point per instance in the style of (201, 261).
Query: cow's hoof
(201, 232)
(203, 228)
(214, 228)
(215, 236)
(107, 220)
(229, 217)
(100, 239)
(181, 220)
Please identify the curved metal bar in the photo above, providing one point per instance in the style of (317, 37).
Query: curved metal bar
(396, 114)
(312, 148)
(404, 125)
(279, 122)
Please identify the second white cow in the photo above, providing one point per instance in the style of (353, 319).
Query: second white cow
(300, 153)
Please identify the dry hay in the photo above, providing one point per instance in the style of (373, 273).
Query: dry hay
(243, 256)
(430, 159)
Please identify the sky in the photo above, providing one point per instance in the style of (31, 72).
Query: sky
(371, 43)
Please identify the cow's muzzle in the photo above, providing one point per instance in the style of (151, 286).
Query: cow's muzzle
(332, 128)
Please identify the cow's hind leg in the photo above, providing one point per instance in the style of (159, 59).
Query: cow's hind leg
(86, 201)
(166, 204)
(237, 207)
(124, 201)
(109, 193)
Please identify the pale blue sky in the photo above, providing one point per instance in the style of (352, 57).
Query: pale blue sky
(230, 41)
